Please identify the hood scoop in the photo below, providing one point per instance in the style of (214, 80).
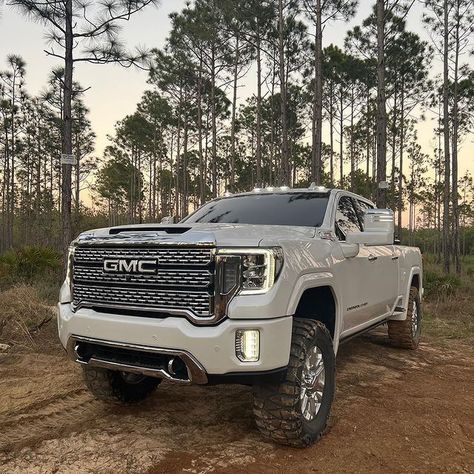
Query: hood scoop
(155, 229)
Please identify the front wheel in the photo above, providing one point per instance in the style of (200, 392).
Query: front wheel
(296, 411)
(118, 387)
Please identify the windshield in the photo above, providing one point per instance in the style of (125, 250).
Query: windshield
(295, 209)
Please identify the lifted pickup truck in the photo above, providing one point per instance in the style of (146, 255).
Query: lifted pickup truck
(257, 288)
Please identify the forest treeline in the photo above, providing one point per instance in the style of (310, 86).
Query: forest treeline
(245, 94)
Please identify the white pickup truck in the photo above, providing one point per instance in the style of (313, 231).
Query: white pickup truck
(258, 288)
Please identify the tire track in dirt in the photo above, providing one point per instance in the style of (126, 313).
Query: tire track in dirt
(38, 405)
(57, 418)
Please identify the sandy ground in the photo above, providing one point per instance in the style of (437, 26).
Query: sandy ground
(395, 411)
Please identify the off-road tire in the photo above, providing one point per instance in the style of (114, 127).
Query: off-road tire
(401, 333)
(277, 407)
(110, 386)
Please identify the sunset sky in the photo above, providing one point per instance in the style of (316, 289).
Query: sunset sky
(114, 91)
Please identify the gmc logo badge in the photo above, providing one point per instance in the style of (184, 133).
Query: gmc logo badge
(130, 265)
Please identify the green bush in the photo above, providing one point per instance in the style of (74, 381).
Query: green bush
(440, 285)
(28, 263)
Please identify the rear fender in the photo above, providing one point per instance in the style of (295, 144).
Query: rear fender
(403, 315)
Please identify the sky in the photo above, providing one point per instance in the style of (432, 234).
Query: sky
(114, 91)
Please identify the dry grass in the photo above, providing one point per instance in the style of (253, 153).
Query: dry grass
(451, 317)
(450, 314)
(25, 320)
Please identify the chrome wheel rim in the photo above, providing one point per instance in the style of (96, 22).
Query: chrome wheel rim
(414, 319)
(312, 383)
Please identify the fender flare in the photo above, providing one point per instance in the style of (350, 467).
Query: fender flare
(416, 270)
(315, 280)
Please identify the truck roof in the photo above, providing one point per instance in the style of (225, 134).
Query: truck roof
(281, 189)
(286, 189)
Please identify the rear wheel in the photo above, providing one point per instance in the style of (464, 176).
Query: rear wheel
(406, 333)
(295, 412)
(118, 387)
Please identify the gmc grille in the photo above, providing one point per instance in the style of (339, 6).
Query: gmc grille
(183, 283)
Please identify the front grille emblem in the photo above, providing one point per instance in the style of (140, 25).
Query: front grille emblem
(131, 265)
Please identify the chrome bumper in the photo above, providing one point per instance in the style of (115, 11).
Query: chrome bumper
(213, 347)
(93, 352)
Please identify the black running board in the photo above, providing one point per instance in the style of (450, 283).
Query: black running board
(362, 331)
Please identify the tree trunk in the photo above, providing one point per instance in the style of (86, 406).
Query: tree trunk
(178, 157)
(400, 170)
(202, 177)
(272, 165)
(368, 133)
(341, 142)
(66, 170)
(234, 110)
(285, 162)
(446, 197)
(11, 193)
(352, 158)
(455, 197)
(394, 139)
(318, 99)
(258, 151)
(6, 243)
(381, 111)
(77, 188)
(331, 132)
(214, 123)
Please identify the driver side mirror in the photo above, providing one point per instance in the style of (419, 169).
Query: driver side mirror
(379, 228)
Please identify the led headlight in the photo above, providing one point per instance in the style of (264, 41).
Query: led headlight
(257, 270)
(247, 345)
(260, 268)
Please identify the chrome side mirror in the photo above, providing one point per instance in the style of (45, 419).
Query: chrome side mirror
(379, 228)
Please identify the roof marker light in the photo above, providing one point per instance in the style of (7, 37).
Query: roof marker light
(314, 187)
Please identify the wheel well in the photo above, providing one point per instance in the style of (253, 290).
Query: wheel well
(415, 281)
(319, 304)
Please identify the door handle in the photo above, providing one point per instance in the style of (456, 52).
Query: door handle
(372, 258)
(394, 257)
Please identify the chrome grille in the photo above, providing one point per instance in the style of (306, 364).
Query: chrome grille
(183, 283)
(170, 256)
(164, 277)
(199, 302)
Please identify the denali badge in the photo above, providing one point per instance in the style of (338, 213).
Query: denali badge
(130, 265)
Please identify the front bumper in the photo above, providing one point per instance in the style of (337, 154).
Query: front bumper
(211, 347)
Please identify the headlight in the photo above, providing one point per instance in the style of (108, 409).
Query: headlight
(254, 270)
(69, 263)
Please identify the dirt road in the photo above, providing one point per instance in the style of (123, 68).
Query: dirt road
(395, 411)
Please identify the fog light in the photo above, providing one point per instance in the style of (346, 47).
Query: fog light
(247, 345)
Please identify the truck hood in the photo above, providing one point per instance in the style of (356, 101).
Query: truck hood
(222, 235)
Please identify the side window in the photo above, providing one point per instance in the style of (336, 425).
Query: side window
(361, 207)
(346, 218)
